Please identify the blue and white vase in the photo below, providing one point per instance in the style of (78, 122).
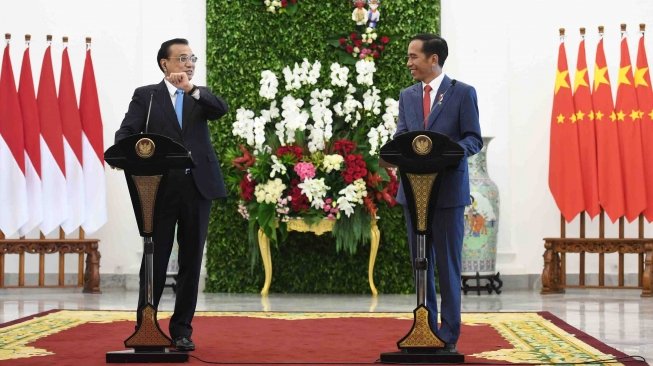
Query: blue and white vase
(481, 218)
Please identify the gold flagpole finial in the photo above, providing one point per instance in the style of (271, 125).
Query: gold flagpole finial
(623, 30)
(28, 38)
(48, 38)
(601, 28)
(88, 43)
(562, 34)
(582, 32)
(642, 27)
(7, 37)
(65, 41)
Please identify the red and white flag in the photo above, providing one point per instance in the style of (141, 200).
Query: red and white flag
(32, 131)
(93, 150)
(13, 186)
(53, 166)
(71, 126)
(611, 194)
(630, 137)
(645, 100)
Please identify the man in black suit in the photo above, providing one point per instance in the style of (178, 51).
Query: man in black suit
(180, 110)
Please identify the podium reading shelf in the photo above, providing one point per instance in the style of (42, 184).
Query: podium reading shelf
(323, 226)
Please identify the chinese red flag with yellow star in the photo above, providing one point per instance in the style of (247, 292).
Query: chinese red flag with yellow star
(564, 161)
(645, 102)
(630, 137)
(611, 196)
(586, 134)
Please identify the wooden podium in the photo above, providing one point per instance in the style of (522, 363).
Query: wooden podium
(146, 159)
(420, 156)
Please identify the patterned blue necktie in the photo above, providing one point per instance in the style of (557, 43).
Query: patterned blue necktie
(179, 105)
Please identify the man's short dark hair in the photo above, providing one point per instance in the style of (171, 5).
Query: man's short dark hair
(433, 44)
(164, 51)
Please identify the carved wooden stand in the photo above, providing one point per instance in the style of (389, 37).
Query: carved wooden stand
(89, 277)
(554, 278)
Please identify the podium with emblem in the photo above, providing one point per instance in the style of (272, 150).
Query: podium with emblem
(146, 160)
(420, 156)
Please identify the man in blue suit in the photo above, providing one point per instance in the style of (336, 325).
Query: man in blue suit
(440, 104)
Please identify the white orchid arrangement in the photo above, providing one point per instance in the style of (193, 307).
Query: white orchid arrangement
(312, 152)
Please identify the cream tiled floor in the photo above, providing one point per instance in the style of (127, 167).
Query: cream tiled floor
(622, 319)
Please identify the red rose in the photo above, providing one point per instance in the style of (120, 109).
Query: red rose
(380, 47)
(298, 202)
(349, 49)
(355, 168)
(344, 147)
(358, 43)
(247, 189)
(353, 36)
(342, 41)
(376, 54)
(292, 150)
(284, 3)
(385, 39)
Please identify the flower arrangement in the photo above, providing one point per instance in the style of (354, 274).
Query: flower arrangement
(366, 45)
(280, 6)
(313, 152)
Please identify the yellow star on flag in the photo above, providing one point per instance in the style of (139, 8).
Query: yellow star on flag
(598, 116)
(599, 76)
(613, 116)
(621, 115)
(579, 78)
(639, 77)
(561, 118)
(623, 75)
(561, 80)
(591, 115)
(634, 115)
(580, 115)
(651, 114)
(572, 118)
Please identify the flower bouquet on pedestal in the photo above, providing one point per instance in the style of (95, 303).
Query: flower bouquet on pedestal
(312, 153)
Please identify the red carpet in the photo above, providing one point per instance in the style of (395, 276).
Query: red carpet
(82, 338)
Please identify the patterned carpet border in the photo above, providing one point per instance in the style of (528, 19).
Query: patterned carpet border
(536, 338)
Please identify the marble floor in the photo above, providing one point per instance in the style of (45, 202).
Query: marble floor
(621, 318)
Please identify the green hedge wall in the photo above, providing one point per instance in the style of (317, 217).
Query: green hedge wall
(243, 40)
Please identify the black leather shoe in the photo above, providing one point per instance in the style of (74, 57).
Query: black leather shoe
(184, 344)
(451, 348)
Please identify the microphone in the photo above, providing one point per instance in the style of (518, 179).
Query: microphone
(149, 109)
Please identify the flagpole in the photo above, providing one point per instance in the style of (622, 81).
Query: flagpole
(88, 43)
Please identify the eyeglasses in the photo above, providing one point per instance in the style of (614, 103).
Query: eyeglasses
(183, 59)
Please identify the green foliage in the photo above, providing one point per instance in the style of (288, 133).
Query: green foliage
(243, 39)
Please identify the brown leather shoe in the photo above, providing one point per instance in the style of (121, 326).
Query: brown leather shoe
(184, 344)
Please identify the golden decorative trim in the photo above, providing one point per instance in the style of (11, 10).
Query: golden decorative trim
(421, 335)
(145, 148)
(422, 145)
(421, 185)
(147, 187)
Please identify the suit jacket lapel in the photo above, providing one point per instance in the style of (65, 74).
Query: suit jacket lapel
(438, 104)
(417, 120)
(164, 100)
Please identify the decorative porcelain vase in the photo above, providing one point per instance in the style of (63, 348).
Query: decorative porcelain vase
(481, 218)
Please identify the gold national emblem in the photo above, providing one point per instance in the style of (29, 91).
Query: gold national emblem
(145, 148)
(422, 145)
